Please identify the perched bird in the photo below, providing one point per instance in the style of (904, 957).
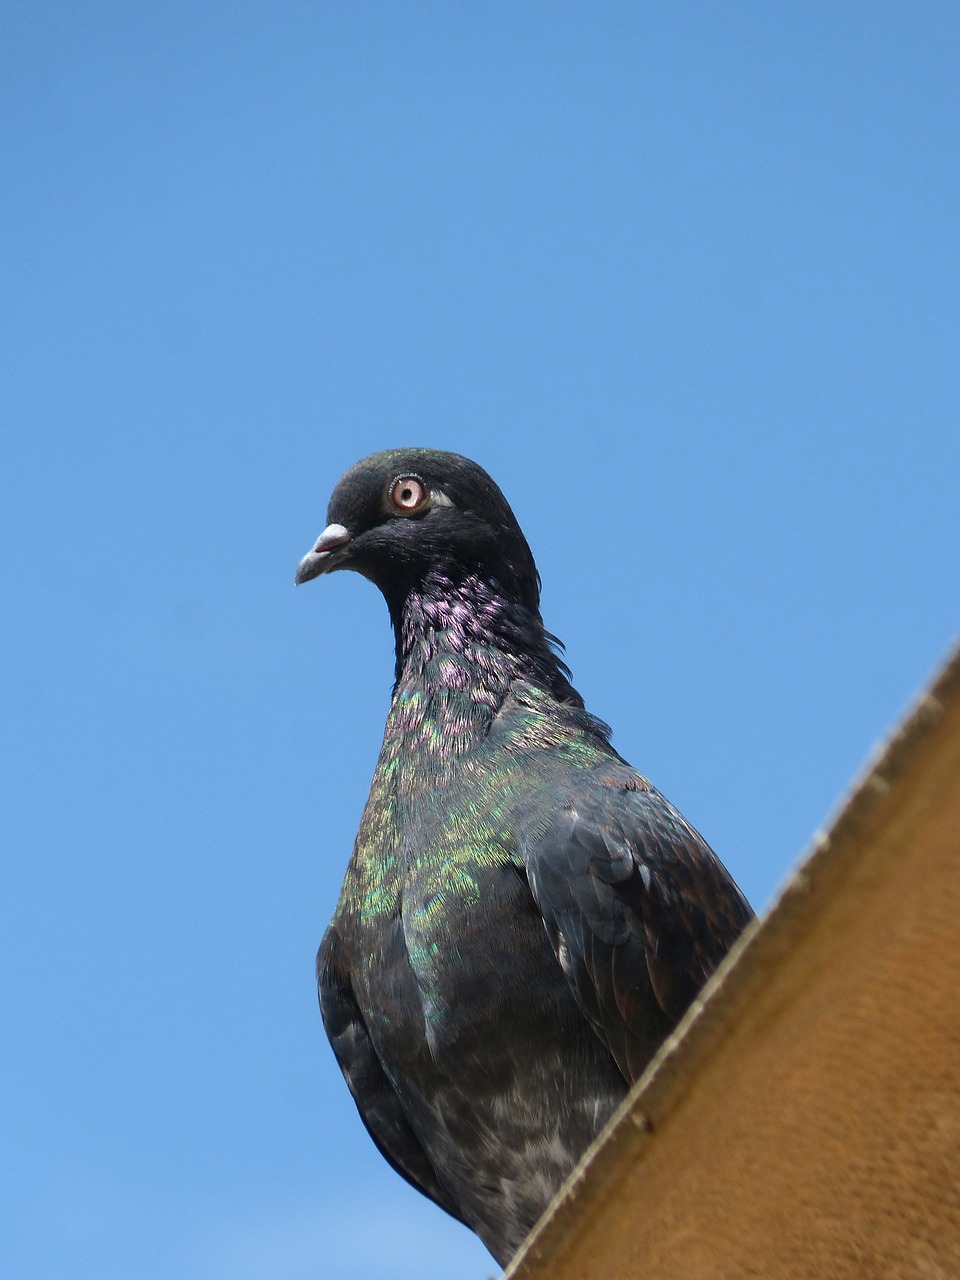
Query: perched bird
(524, 917)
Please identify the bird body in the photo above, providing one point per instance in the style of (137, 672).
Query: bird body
(524, 917)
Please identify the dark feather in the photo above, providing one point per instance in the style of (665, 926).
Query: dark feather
(638, 909)
(377, 1100)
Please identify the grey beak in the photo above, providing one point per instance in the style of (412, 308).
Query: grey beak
(324, 556)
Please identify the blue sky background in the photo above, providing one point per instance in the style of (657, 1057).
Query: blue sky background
(683, 277)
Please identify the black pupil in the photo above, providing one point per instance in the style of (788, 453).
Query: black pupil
(407, 494)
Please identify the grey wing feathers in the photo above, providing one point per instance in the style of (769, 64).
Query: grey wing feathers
(638, 908)
(379, 1106)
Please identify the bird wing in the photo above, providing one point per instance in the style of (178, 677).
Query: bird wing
(639, 909)
(379, 1106)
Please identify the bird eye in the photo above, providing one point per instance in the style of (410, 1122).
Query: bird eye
(408, 494)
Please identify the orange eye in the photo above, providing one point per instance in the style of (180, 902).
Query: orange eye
(408, 494)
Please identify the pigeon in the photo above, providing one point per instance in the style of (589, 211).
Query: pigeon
(524, 918)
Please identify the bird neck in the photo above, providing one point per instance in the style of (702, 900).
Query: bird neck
(461, 644)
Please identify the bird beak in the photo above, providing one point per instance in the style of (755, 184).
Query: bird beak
(329, 552)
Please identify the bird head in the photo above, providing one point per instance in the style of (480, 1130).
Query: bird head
(398, 516)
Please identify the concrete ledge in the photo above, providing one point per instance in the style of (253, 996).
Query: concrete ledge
(805, 1119)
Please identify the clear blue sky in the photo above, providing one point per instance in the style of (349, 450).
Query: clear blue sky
(683, 277)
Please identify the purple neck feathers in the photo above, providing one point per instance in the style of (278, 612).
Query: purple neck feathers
(463, 635)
